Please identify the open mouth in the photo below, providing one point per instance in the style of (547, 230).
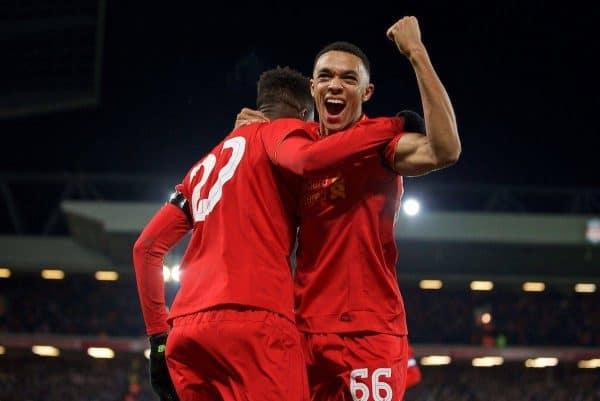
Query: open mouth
(334, 106)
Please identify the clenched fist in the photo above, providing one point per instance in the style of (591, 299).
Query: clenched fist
(406, 34)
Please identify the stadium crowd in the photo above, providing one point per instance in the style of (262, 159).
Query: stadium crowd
(74, 377)
(78, 377)
(505, 316)
(509, 382)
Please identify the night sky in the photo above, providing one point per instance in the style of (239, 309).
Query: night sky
(520, 75)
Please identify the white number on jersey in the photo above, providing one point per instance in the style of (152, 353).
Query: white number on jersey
(360, 391)
(202, 207)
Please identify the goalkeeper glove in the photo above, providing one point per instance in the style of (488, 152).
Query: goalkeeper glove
(159, 373)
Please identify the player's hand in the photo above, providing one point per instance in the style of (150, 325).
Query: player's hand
(406, 34)
(249, 116)
(159, 373)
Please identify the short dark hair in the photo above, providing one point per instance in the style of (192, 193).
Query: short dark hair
(346, 47)
(284, 85)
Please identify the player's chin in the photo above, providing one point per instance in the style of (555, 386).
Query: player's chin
(336, 124)
(334, 120)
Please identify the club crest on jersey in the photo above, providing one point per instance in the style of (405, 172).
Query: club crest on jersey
(338, 189)
(323, 190)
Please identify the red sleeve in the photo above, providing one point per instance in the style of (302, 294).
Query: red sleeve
(274, 132)
(300, 154)
(165, 229)
(184, 187)
(413, 373)
(413, 376)
(390, 150)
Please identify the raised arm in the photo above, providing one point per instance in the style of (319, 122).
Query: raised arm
(417, 154)
(299, 153)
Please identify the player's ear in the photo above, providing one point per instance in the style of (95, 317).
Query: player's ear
(303, 114)
(312, 87)
(307, 114)
(368, 92)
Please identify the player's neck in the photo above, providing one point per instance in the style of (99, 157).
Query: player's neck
(324, 131)
(275, 111)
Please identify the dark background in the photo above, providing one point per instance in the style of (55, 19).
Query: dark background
(521, 75)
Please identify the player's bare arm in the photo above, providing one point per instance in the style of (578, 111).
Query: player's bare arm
(421, 154)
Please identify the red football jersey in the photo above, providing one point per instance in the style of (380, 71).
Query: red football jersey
(244, 208)
(345, 278)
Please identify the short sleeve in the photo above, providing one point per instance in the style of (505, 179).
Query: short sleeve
(390, 150)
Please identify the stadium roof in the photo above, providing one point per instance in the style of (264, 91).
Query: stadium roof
(33, 253)
(499, 231)
(103, 233)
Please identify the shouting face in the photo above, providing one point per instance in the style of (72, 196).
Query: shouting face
(340, 85)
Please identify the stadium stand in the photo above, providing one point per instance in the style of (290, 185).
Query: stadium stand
(462, 274)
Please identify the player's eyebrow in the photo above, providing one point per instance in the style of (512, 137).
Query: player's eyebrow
(324, 71)
(331, 71)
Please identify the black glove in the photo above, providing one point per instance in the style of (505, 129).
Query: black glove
(159, 373)
(413, 122)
